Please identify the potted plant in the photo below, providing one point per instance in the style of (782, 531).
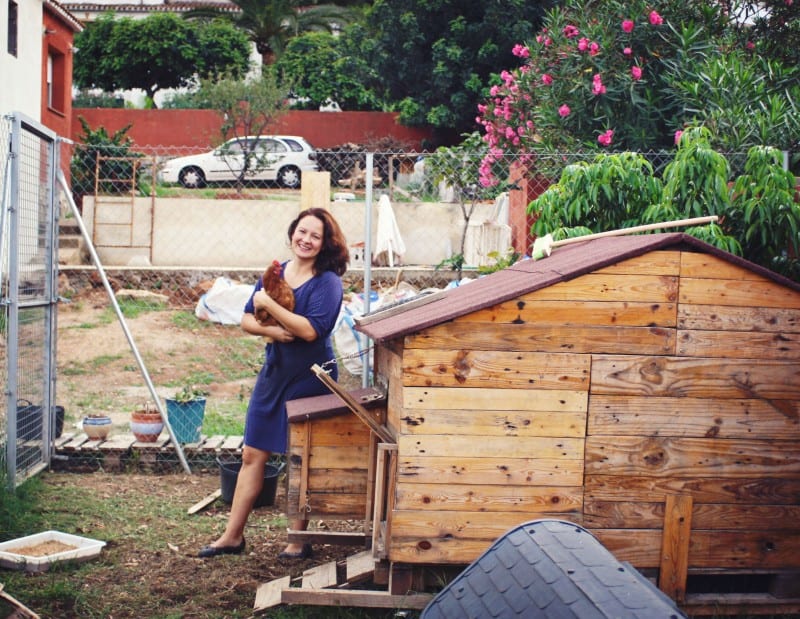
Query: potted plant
(146, 424)
(185, 413)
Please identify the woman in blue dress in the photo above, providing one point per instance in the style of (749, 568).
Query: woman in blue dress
(301, 339)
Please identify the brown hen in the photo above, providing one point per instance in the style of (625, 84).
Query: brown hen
(276, 287)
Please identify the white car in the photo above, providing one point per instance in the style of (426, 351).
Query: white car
(278, 158)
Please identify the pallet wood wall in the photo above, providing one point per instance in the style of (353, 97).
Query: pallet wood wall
(673, 374)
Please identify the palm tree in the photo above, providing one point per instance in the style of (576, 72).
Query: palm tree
(271, 23)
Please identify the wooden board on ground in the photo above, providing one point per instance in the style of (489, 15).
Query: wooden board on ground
(202, 504)
(268, 594)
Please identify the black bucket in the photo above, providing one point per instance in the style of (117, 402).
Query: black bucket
(29, 420)
(229, 473)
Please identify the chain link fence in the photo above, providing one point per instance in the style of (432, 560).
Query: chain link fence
(182, 256)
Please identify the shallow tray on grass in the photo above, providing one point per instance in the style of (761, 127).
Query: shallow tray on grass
(83, 548)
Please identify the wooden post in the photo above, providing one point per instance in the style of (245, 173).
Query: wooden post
(315, 190)
(675, 546)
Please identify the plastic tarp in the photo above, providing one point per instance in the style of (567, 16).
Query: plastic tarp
(389, 243)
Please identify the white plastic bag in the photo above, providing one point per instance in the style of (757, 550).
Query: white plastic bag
(224, 302)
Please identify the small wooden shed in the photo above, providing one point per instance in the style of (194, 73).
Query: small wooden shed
(644, 387)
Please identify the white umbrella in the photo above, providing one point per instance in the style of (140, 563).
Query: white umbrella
(388, 237)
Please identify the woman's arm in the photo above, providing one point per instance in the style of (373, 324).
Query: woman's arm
(275, 333)
(296, 324)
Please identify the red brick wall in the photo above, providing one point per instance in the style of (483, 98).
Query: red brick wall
(57, 41)
(200, 128)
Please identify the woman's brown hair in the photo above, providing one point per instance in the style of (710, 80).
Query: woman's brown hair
(334, 254)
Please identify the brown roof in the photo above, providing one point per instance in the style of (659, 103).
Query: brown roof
(565, 263)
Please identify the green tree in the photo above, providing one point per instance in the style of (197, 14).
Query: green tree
(270, 24)
(159, 51)
(321, 73)
(248, 108)
(627, 75)
(433, 59)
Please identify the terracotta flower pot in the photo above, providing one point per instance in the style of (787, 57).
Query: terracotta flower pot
(96, 427)
(146, 425)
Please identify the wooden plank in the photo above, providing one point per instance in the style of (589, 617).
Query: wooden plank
(695, 264)
(268, 594)
(380, 502)
(695, 378)
(327, 505)
(640, 514)
(339, 431)
(552, 339)
(576, 313)
(475, 398)
(493, 470)
(738, 605)
(461, 525)
(617, 415)
(339, 457)
(232, 443)
(692, 457)
(213, 443)
(741, 293)
(675, 546)
(494, 423)
(357, 598)
(637, 288)
(359, 566)
(753, 490)
(731, 318)
(739, 345)
(659, 262)
(346, 481)
(510, 370)
(353, 405)
(471, 497)
(456, 447)
(320, 576)
(205, 502)
(336, 538)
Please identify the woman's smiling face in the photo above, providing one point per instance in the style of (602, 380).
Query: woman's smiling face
(308, 237)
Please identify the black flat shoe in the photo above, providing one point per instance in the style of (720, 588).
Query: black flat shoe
(304, 553)
(212, 551)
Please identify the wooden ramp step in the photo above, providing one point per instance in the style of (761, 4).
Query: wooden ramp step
(324, 585)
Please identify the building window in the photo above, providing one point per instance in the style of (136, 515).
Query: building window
(13, 18)
(56, 80)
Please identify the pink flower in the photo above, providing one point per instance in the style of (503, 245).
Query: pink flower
(627, 25)
(594, 49)
(583, 44)
(627, 51)
(521, 51)
(547, 79)
(636, 72)
(655, 18)
(570, 31)
(787, 2)
(598, 88)
(678, 135)
(750, 45)
(564, 111)
(604, 139)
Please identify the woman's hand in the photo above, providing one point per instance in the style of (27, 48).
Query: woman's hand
(281, 335)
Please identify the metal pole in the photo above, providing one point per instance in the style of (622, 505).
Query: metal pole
(365, 365)
(96, 259)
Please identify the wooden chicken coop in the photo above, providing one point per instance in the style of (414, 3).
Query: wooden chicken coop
(644, 387)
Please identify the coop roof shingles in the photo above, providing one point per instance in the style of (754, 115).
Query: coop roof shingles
(550, 569)
(565, 263)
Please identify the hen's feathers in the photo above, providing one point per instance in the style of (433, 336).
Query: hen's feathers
(277, 288)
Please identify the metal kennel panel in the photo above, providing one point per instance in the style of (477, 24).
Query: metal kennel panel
(28, 257)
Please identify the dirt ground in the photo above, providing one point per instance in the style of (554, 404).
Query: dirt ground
(97, 372)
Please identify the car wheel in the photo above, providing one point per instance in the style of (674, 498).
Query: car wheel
(192, 177)
(289, 177)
